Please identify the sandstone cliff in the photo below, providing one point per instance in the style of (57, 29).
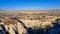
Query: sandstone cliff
(29, 22)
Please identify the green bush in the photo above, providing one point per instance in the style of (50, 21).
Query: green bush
(58, 20)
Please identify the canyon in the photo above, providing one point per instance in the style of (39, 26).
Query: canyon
(30, 22)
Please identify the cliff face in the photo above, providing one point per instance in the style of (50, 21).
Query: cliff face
(12, 29)
(17, 26)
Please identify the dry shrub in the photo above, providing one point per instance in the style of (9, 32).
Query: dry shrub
(10, 22)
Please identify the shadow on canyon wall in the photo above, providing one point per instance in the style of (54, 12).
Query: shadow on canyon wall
(54, 30)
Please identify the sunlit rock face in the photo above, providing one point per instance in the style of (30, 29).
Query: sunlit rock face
(29, 22)
(13, 29)
(24, 26)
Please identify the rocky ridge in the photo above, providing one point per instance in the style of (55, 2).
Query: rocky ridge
(29, 23)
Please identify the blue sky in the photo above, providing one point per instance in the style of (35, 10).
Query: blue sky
(29, 4)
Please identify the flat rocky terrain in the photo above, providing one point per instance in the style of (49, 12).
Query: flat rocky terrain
(30, 22)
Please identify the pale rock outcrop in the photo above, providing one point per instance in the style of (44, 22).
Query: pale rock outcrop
(18, 27)
(21, 29)
(11, 31)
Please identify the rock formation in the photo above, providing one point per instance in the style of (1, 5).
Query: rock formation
(29, 23)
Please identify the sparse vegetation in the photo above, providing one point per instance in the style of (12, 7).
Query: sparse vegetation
(58, 20)
(30, 21)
